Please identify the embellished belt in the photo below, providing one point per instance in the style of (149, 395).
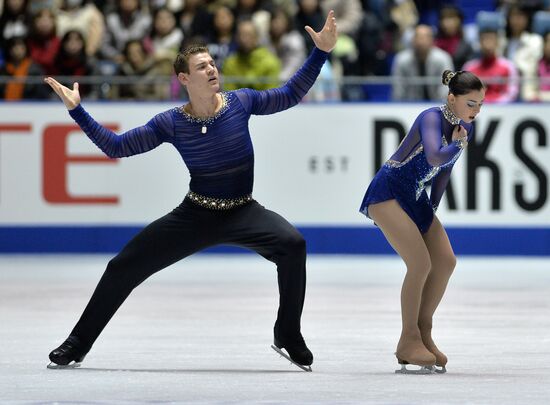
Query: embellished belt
(218, 203)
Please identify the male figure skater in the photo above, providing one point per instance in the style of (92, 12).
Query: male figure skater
(211, 133)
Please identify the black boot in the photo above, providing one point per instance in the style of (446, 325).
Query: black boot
(296, 349)
(70, 350)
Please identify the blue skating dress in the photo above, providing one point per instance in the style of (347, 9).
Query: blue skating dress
(425, 156)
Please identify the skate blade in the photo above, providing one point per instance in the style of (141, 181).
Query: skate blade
(53, 366)
(439, 369)
(420, 370)
(286, 356)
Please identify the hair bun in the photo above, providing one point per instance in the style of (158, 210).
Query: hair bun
(447, 76)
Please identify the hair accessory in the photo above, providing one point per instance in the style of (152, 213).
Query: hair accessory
(448, 77)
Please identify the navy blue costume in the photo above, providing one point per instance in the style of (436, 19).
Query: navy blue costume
(219, 208)
(425, 156)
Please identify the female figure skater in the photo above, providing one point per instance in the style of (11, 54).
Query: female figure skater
(398, 203)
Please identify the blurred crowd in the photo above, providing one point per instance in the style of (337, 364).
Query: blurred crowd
(261, 43)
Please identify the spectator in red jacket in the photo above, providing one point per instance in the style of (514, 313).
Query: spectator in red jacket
(499, 73)
(43, 40)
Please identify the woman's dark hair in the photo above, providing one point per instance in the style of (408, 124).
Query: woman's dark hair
(461, 82)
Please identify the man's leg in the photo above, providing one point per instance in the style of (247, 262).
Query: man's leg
(273, 237)
(162, 243)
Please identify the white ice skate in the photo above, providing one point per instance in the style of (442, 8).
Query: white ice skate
(286, 356)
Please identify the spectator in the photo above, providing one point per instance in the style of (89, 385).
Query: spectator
(19, 65)
(125, 24)
(138, 63)
(72, 60)
(166, 37)
(492, 67)
(450, 37)
(13, 20)
(544, 71)
(222, 43)
(309, 13)
(43, 41)
(523, 48)
(252, 61)
(287, 44)
(424, 60)
(259, 12)
(85, 17)
(349, 14)
(195, 20)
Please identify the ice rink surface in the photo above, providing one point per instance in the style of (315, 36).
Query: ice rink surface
(200, 331)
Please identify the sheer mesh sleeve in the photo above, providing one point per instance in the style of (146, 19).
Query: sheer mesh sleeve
(431, 133)
(439, 184)
(132, 142)
(279, 99)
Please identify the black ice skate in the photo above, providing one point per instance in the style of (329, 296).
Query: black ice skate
(296, 351)
(69, 355)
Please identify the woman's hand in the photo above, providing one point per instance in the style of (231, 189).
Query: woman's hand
(460, 135)
(71, 98)
(325, 39)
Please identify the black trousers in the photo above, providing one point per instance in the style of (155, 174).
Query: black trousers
(190, 228)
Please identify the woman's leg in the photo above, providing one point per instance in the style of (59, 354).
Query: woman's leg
(404, 236)
(443, 264)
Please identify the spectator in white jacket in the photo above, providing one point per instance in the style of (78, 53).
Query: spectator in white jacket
(523, 48)
(423, 60)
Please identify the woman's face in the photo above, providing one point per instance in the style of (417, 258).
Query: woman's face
(73, 44)
(279, 25)
(44, 23)
(450, 25)
(518, 21)
(224, 20)
(309, 6)
(128, 6)
(18, 51)
(467, 106)
(164, 22)
(15, 5)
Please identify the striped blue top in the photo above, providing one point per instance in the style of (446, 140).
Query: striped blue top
(220, 161)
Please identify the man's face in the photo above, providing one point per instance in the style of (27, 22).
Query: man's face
(423, 39)
(203, 74)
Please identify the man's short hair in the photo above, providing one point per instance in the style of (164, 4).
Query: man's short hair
(181, 64)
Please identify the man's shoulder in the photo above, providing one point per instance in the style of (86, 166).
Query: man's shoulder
(405, 56)
(439, 54)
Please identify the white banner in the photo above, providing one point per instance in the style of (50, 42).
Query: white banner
(313, 165)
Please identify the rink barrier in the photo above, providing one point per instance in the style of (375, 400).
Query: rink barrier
(319, 240)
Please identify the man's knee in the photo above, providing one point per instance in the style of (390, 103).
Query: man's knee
(293, 242)
(117, 265)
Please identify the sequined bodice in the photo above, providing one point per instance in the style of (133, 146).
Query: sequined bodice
(425, 153)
